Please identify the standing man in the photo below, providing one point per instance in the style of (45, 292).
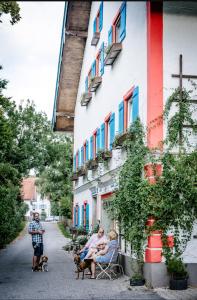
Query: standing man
(36, 230)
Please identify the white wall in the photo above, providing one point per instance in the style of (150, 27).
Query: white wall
(129, 69)
(179, 38)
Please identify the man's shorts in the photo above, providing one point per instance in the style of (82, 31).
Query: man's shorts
(38, 248)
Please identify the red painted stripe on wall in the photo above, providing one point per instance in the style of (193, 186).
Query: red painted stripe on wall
(154, 74)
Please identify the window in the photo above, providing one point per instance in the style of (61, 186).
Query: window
(121, 117)
(87, 150)
(117, 31)
(98, 21)
(102, 144)
(107, 141)
(131, 106)
(112, 130)
(82, 156)
(97, 140)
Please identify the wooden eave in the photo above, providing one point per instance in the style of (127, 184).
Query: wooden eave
(76, 30)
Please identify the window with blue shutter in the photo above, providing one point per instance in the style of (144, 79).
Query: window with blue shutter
(87, 150)
(122, 21)
(94, 26)
(82, 215)
(97, 140)
(110, 36)
(112, 129)
(135, 104)
(121, 117)
(82, 156)
(101, 58)
(78, 215)
(74, 163)
(86, 84)
(103, 136)
(91, 147)
(75, 216)
(94, 69)
(101, 17)
(87, 217)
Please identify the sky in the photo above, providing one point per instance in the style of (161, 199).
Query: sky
(29, 52)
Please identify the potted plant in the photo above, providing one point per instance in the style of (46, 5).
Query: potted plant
(137, 278)
(178, 274)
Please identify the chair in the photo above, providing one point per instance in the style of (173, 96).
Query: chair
(108, 268)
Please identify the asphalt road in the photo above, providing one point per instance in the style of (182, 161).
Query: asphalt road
(17, 281)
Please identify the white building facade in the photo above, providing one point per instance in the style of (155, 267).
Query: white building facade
(131, 51)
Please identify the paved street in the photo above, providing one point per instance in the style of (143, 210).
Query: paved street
(17, 281)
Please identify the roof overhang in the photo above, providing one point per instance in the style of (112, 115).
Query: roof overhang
(73, 40)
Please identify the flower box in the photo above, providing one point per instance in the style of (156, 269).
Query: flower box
(91, 164)
(82, 171)
(95, 38)
(112, 53)
(85, 98)
(119, 139)
(95, 82)
(74, 177)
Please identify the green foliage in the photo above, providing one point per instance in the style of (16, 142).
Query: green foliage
(55, 181)
(12, 8)
(182, 116)
(82, 240)
(172, 200)
(26, 142)
(64, 230)
(176, 268)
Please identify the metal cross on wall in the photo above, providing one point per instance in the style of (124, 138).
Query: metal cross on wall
(181, 76)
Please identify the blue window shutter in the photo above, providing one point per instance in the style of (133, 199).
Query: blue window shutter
(87, 150)
(91, 147)
(94, 69)
(101, 17)
(78, 216)
(74, 216)
(87, 217)
(97, 140)
(102, 59)
(86, 84)
(82, 156)
(122, 21)
(82, 215)
(94, 26)
(103, 136)
(110, 37)
(112, 129)
(135, 102)
(74, 163)
(121, 117)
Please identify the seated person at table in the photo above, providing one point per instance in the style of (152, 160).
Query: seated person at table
(93, 242)
(105, 255)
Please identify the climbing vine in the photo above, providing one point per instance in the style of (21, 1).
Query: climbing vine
(172, 199)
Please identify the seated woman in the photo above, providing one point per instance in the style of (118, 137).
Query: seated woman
(105, 255)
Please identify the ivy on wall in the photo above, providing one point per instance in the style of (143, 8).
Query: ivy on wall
(172, 200)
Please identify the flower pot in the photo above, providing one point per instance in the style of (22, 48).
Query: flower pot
(137, 282)
(178, 284)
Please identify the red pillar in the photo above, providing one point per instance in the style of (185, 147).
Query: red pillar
(154, 73)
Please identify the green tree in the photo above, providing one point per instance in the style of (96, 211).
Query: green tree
(26, 142)
(12, 8)
(55, 181)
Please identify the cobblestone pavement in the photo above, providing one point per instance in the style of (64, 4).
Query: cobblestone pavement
(17, 281)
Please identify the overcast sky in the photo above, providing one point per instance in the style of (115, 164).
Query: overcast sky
(29, 53)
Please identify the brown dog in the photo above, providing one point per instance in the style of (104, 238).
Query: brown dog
(81, 265)
(43, 265)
